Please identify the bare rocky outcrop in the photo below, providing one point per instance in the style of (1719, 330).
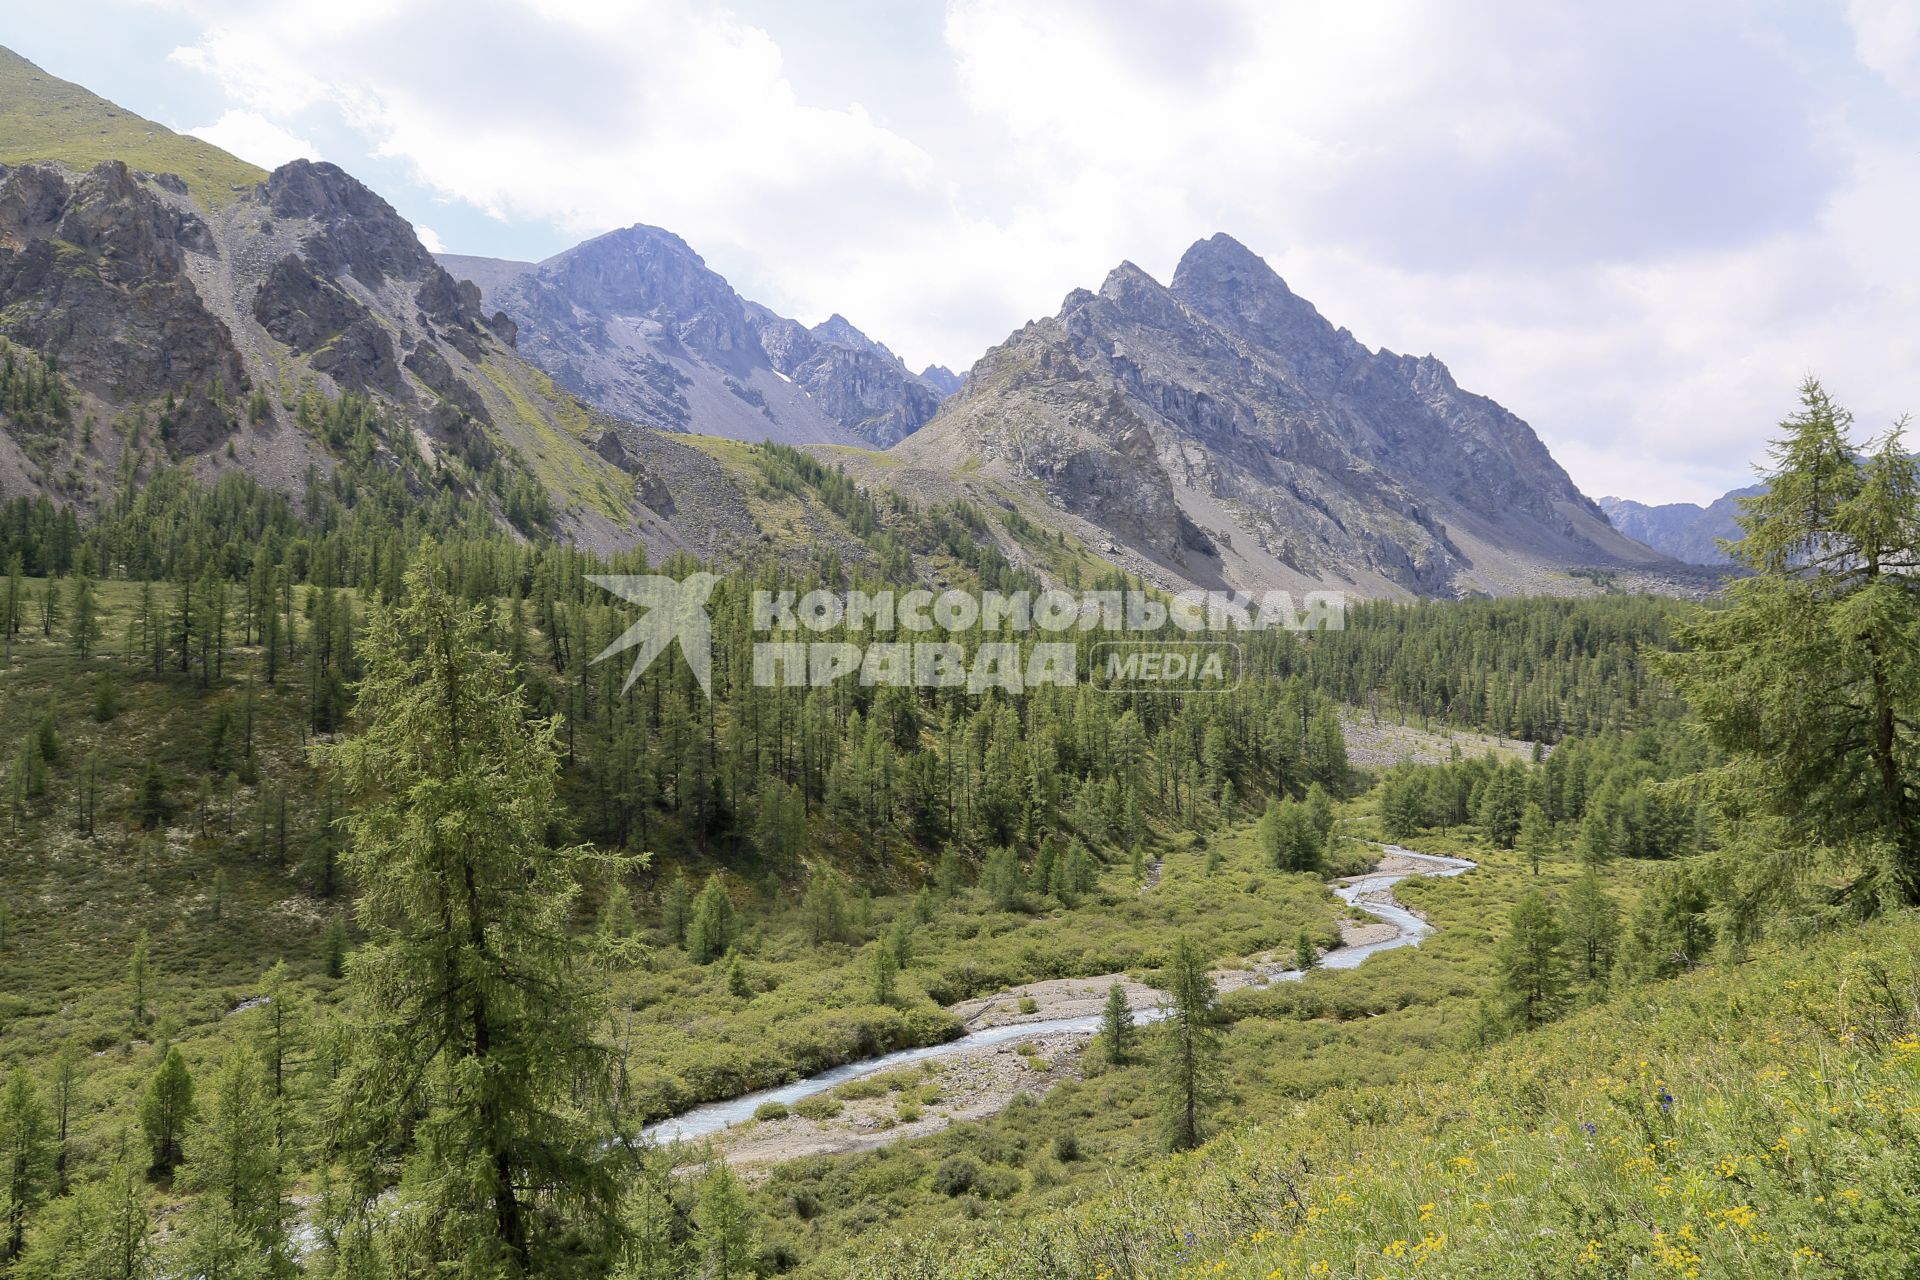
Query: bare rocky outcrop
(93, 274)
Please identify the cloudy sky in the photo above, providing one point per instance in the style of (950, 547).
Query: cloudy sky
(1638, 224)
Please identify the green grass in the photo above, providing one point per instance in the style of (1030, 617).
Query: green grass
(76, 905)
(45, 118)
(692, 1041)
(551, 426)
(1757, 1120)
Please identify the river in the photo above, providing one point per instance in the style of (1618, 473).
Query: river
(1372, 894)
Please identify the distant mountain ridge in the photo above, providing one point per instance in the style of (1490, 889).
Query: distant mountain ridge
(636, 323)
(1221, 430)
(1684, 530)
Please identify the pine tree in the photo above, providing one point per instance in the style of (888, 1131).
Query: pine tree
(166, 1109)
(1306, 956)
(1530, 968)
(737, 984)
(1593, 929)
(453, 792)
(723, 1226)
(237, 1175)
(100, 1232)
(885, 970)
(1116, 1026)
(713, 925)
(1189, 1047)
(1810, 680)
(26, 1161)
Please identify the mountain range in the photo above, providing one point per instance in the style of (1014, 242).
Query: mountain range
(1228, 435)
(1214, 431)
(635, 322)
(1686, 531)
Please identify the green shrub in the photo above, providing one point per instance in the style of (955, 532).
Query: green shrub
(956, 1176)
(772, 1109)
(821, 1106)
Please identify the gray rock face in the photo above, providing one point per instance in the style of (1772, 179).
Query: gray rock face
(636, 323)
(1684, 530)
(942, 379)
(1225, 431)
(171, 312)
(93, 272)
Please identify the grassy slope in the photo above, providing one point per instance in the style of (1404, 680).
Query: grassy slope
(1404, 1012)
(1753, 1120)
(43, 117)
(812, 1005)
(76, 905)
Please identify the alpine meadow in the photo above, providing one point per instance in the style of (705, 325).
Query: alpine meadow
(528, 764)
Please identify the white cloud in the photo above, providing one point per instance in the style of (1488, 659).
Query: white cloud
(256, 139)
(429, 238)
(1886, 37)
(1637, 225)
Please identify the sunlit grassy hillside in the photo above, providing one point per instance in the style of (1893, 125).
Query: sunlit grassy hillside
(1760, 1120)
(43, 117)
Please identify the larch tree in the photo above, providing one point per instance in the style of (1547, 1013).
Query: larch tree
(711, 929)
(103, 1231)
(165, 1111)
(723, 1226)
(1116, 1026)
(26, 1160)
(1531, 965)
(1189, 1046)
(241, 1207)
(1593, 929)
(473, 1054)
(1810, 680)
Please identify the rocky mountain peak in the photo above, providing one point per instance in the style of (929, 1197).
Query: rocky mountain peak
(355, 231)
(1235, 288)
(842, 332)
(941, 379)
(1226, 432)
(637, 323)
